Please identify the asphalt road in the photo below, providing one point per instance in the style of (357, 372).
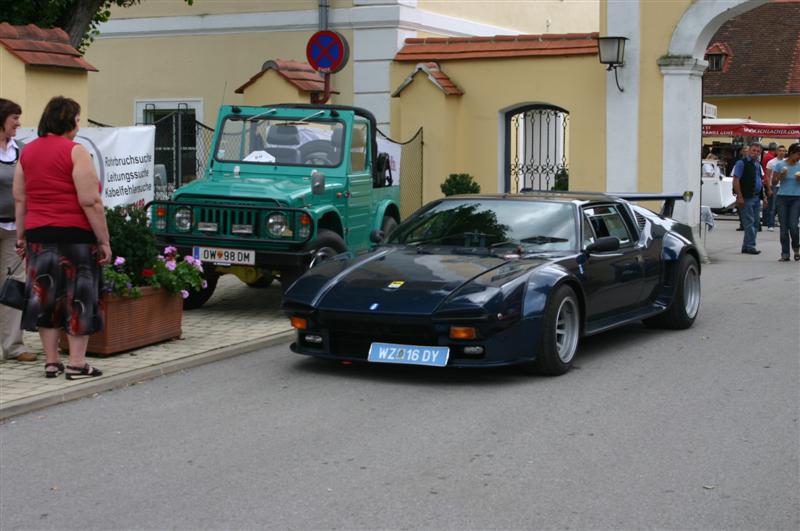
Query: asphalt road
(694, 429)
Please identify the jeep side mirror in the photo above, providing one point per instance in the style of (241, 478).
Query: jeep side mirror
(317, 183)
(603, 245)
(376, 236)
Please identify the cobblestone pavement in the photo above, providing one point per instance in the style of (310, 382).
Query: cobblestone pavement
(236, 319)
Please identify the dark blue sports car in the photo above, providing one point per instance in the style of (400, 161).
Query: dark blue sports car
(489, 280)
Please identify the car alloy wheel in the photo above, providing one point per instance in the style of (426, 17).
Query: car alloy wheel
(691, 291)
(567, 329)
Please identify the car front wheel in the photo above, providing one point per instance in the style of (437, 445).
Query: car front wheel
(326, 245)
(560, 333)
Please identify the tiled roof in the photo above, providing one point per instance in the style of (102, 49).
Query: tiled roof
(453, 48)
(41, 47)
(435, 75)
(765, 52)
(298, 73)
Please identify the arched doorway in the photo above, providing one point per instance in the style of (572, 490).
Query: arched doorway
(682, 69)
(535, 141)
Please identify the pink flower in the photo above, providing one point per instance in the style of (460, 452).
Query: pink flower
(188, 259)
(204, 284)
(184, 293)
(171, 265)
(118, 261)
(170, 250)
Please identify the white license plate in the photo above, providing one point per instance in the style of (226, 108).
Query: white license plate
(220, 255)
(408, 354)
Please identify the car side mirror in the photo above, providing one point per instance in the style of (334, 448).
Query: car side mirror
(317, 183)
(603, 245)
(376, 236)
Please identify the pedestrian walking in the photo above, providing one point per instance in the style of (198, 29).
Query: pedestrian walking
(787, 174)
(769, 211)
(748, 186)
(62, 232)
(12, 346)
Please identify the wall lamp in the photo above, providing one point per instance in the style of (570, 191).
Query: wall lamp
(612, 53)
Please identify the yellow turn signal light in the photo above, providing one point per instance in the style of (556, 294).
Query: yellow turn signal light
(462, 332)
(299, 322)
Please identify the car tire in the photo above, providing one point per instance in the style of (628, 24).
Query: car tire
(388, 225)
(325, 245)
(198, 298)
(560, 333)
(262, 283)
(686, 302)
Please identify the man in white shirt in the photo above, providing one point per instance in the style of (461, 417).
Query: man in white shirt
(769, 212)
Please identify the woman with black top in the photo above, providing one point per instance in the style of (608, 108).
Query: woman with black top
(11, 343)
(61, 229)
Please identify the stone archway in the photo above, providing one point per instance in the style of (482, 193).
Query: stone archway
(683, 68)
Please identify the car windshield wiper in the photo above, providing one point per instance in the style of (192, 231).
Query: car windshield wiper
(539, 239)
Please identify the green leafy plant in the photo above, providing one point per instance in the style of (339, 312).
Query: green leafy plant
(561, 182)
(460, 183)
(137, 262)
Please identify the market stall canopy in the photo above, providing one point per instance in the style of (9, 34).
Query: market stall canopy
(746, 127)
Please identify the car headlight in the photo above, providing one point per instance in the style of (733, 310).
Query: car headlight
(277, 223)
(183, 219)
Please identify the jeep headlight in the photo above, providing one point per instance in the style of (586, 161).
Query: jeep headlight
(277, 224)
(183, 219)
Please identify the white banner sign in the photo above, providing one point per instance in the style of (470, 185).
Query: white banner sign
(394, 150)
(123, 159)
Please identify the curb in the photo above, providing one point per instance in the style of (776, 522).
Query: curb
(26, 405)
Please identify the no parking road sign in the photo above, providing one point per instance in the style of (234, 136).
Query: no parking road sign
(327, 51)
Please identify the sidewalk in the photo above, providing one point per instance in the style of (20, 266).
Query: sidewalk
(237, 319)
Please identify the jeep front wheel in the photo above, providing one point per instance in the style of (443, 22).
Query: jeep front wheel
(199, 298)
(326, 245)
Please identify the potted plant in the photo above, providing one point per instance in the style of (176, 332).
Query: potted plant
(142, 288)
(460, 183)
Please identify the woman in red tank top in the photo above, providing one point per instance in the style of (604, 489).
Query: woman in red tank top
(61, 230)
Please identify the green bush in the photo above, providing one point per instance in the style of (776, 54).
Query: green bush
(460, 183)
(561, 180)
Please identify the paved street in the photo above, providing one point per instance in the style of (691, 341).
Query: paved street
(694, 429)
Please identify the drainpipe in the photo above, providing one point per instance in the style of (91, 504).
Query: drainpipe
(323, 14)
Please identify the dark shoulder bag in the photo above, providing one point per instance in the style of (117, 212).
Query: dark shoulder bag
(12, 292)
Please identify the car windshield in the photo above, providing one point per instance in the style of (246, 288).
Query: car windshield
(491, 224)
(288, 142)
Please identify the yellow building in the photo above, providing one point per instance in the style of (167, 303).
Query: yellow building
(37, 64)
(636, 127)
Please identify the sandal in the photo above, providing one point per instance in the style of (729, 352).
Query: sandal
(783, 259)
(796, 256)
(52, 374)
(87, 371)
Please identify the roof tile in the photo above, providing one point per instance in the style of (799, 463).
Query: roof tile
(455, 48)
(36, 46)
(764, 57)
(298, 73)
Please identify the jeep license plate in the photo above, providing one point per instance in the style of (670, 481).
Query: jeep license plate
(219, 255)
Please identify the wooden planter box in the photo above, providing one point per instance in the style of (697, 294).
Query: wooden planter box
(131, 323)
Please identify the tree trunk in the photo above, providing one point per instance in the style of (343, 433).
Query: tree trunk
(76, 20)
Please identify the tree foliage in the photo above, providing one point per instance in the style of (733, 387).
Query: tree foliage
(79, 18)
(460, 183)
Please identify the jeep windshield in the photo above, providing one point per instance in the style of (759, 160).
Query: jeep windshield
(263, 139)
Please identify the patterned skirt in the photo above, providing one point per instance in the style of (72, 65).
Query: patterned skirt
(63, 288)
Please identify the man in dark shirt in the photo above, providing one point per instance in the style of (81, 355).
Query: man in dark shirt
(748, 185)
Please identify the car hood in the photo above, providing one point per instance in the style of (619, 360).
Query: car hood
(403, 281)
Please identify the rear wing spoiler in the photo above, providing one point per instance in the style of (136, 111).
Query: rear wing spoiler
(668, 200)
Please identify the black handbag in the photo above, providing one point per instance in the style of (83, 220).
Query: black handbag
(12, 292)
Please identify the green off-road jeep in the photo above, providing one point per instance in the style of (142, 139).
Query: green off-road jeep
(286, 186)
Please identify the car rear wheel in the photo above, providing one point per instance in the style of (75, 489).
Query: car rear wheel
(326, 245)
(199, 298)
(686, 303)
(561, 330)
